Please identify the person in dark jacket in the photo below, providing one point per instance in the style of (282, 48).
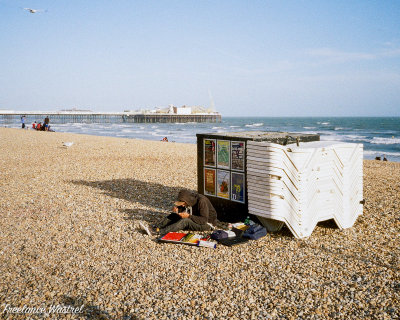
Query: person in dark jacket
(192, 212)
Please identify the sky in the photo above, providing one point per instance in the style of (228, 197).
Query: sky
(248, 58)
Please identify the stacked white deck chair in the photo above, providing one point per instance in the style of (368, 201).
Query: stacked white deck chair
(302, 185)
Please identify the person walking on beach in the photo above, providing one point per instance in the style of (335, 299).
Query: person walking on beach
(192, 211)
(46, 123)
(23, 122)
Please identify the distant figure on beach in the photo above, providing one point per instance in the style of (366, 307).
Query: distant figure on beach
(34, 125)
(378, 158)
(42, 126)
(192, 211)
(39, 126)
(165, 139)
(384, 158)
(46, 123)
(23, 122)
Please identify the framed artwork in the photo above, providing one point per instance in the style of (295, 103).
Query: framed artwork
(209, 182)
(209, 153)
(237, 188)
(223, 184)
(223, 154)
(237, 155)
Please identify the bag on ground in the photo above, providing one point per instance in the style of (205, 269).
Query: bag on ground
(255, 232)
(219, 234)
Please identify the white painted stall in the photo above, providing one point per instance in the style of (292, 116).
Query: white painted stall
(302, 185)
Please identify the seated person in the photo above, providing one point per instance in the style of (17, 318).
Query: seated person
(192, 212)
(34, 125)
(39, 126)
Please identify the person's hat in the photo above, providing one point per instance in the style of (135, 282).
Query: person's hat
(179, 203)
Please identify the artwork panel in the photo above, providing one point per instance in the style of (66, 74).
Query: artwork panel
(209, 182)
(209, 153)
(237, 155)
(238, 187)
(223, 154)
(223, 184)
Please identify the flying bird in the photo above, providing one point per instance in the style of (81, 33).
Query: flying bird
(34, 10)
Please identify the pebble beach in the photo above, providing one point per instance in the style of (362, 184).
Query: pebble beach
(70, 236)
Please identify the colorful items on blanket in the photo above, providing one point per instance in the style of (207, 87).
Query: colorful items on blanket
(239, 233)
(184, 238)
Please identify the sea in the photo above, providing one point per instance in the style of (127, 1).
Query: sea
(379, 135)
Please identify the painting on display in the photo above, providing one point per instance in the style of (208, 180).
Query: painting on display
(237, 189)
(209, 152)
(209, 182)
(223, 154)
(237, 155)
(223, 184)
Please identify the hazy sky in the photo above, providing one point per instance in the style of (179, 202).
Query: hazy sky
(257, 58)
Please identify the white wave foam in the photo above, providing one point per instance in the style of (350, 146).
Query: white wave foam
(346, 137)
(328, 133)
(254, 125)
(340, 128)
(355, 137)
(307, 132)
(328, 137)
(309, 128)
(156, 134)
(378, 140)
(216, 128)
(234, 126)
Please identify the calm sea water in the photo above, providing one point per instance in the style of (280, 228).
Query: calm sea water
(380, 136)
